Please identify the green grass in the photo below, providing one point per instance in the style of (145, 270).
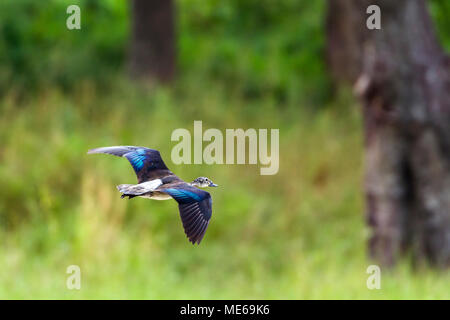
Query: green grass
(299, 234)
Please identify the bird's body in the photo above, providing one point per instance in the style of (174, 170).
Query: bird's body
(157, 182)
(156, 195)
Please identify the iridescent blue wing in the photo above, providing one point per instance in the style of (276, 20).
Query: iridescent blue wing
(195, 208)
(147, 163)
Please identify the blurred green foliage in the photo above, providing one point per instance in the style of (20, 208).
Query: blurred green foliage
(257, 46)
(298, 234)
(241, 64)
(38, 51)
(253, 46)
(440, 11)
(250, 46)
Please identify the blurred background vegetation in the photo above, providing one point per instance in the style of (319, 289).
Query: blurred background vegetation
(251, 64)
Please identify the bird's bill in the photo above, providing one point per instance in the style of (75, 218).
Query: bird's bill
(213, 185)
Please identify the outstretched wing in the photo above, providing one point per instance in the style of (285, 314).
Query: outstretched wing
(195, 208)
(147, 163)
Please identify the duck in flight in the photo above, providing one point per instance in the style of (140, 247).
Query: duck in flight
(156, 181)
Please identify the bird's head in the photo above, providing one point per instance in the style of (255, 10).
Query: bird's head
(203, 182)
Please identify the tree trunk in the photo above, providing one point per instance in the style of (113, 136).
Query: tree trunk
(402, 77)
(152, 53)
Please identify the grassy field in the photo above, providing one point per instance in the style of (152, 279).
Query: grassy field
(299, 234)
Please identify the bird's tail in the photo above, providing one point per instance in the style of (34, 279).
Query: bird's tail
(130, 190)
(123, 188)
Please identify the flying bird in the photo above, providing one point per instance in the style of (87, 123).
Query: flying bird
(156, 181)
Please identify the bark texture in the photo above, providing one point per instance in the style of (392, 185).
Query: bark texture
(402, 77)
(152, 54)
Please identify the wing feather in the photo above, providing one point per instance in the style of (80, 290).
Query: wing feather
(147, 163)
(195, 208)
